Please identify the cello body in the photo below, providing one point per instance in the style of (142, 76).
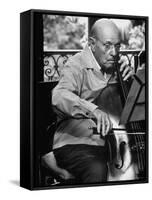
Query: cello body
(120, 164)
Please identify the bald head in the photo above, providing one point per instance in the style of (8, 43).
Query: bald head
(104, 27)
(105, 42)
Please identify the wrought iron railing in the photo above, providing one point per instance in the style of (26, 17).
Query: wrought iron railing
(54, 62)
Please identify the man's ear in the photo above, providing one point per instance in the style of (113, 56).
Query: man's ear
(92, 42)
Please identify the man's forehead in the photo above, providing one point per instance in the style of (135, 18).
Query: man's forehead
(112, 40)
(109, 35)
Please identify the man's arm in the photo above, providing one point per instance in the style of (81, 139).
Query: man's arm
(66, 98)
(66, 95)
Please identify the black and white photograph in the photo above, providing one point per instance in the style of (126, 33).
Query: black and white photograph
(87, 99)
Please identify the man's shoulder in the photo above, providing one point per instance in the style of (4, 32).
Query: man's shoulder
(76, 61)
(80, 60)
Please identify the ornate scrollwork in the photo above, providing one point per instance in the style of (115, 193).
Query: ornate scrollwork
(54, 63)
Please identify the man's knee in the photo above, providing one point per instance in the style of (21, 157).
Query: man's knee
(96, 171)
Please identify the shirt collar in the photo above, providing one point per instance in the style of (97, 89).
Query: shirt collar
(89, 60)
(95, 61)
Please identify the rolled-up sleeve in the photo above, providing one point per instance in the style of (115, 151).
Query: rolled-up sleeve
(66, 95)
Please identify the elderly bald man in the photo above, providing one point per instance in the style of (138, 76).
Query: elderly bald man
(76, 149)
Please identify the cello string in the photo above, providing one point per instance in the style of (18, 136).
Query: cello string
(136, 145)
(142, 148)
(139, 145)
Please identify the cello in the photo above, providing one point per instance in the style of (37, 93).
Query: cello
(125, 143)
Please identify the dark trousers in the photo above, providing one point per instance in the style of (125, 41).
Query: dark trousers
(87, 163)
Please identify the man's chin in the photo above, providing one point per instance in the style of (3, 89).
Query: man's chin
(109, 67)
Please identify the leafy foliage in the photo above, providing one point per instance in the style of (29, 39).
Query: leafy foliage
(64, 32)
(137, 37)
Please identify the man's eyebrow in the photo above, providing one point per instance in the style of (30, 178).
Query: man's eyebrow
(110, 42)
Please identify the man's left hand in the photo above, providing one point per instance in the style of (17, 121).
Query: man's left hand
(127, 71)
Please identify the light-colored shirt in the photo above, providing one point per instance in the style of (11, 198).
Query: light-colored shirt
(74, 97)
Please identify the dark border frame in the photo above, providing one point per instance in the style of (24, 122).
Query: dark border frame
(31, 58)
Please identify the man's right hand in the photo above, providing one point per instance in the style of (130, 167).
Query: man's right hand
(103, 121)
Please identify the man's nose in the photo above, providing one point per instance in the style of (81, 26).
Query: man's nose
(113, 51)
